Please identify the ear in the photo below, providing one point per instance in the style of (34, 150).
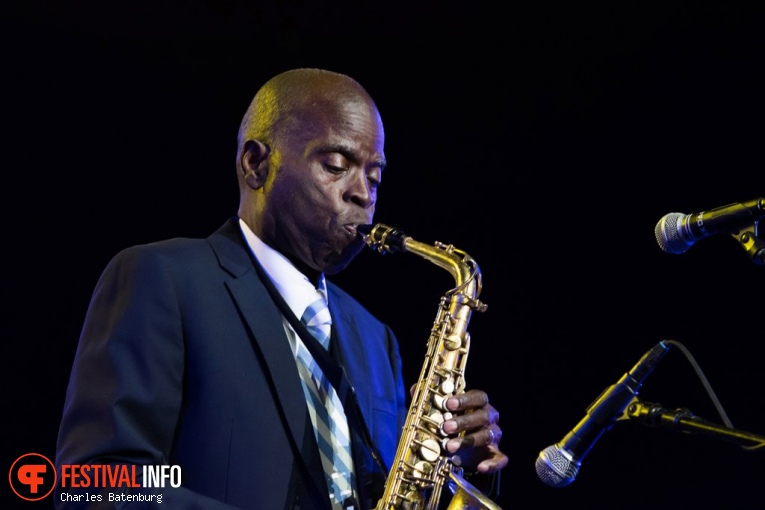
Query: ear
(255, 163)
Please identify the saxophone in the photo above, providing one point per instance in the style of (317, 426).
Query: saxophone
(422, 466)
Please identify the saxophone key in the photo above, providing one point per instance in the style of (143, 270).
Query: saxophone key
(438, 401)
(429, 449)
(435, 420)
(422, 470)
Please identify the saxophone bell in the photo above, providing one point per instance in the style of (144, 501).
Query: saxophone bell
(466, 497)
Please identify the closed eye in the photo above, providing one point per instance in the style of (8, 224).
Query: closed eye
(334, 169)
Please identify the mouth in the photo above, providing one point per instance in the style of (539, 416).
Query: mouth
(350, 229)
(357, 229)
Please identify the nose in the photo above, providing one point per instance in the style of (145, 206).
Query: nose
(361, 190)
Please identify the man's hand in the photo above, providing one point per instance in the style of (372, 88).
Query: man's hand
(479, 447)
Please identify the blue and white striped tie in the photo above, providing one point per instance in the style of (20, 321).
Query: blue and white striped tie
(318, 321)
(326, 410)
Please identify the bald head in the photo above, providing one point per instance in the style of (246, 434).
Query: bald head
(294, 100)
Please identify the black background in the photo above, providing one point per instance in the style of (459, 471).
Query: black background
(544, 139)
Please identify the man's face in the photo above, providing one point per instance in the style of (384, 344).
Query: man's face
(324, 174)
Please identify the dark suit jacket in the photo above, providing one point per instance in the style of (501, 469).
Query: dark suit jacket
(183, 360)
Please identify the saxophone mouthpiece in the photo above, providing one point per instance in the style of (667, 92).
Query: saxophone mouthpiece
(364, 230)
(382, 238)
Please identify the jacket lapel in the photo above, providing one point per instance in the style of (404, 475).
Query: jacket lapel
(263, 319)
(347, 334)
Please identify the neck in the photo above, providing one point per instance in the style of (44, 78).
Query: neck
(312, 275)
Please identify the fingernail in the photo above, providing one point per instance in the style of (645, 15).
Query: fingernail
(449, 426)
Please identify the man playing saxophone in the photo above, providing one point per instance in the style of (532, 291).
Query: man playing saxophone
(236, 357)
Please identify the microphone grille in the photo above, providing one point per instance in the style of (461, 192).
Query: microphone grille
(668, 234)
(555, 467)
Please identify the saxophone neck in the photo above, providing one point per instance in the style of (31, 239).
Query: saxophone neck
(463, 268)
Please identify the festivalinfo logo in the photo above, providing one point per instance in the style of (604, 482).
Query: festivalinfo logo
(33, 477)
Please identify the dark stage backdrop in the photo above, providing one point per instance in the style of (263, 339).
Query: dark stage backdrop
(545, 140)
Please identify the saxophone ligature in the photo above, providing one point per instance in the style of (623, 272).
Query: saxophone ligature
(422, 466)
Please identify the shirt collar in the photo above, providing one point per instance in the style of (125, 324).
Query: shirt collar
(296, 289)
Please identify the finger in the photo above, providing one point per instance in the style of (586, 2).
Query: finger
(497, 461)
(488, 436)
(473, 399)
(469, 421)
(492, 437)
(467, 441)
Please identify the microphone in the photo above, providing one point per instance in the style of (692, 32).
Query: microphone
(676, 232)
(558, 464)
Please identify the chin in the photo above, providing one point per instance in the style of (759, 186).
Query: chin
(337, 262)
(338, 265)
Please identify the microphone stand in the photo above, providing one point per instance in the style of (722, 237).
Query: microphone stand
(753, 245)
(654, 415)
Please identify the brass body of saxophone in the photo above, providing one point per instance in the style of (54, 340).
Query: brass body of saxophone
(422, 467)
